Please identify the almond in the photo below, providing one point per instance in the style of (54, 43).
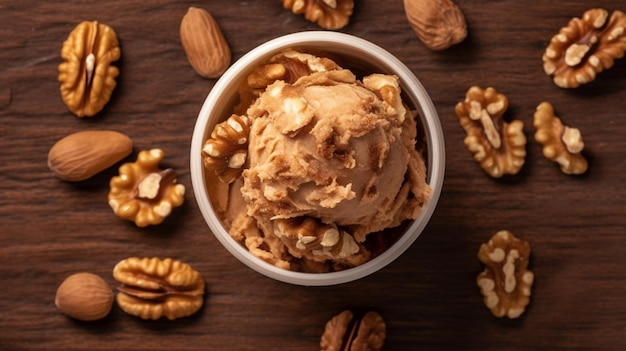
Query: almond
(84, 296)
(203, 41)
(82, 155)
(439, 24)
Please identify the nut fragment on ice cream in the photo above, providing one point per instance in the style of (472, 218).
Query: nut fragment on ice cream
(288, 66)
(226, 151)
(331, 162)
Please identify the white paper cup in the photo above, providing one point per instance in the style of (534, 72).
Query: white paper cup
(350, 50)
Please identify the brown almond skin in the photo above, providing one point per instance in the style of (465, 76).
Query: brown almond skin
(439, 24)
(84, 296)
(81, 155)
(206, 48)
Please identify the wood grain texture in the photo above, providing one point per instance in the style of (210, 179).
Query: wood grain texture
(428, 297)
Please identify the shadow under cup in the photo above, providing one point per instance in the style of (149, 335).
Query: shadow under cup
(363, 58)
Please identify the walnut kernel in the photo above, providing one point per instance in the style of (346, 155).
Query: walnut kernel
(144, 193)
(585, 47)
(328, 14)
(304, 236)
(345, 332)
(498, 146)
(87, 75)
(505, 283)
(561, 144)
(152, 288)
(225, 152)
(287, 66)
(388, 89)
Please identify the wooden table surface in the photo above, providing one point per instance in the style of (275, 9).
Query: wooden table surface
(50, 228)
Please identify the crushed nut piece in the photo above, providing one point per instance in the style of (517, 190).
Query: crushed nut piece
(320, 242)
(287, 66)
(388, 89)
(87, 75)
(153, 288)
(344, 332)
(328, 14)
(143, 193)
(505, 283)
(226, 151)
(499, 147)
(585, 47)
(561, 144)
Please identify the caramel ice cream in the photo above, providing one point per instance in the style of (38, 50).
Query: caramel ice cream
(318, 164)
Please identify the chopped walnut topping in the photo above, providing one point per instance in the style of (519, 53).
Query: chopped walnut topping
(345, 332)
(307, 237)
(328, 14)
(226, 151)
(143, 193)
(561, 144)
(287, 66)
(505, 283)
(388, 89)
(499, 147)
(585, 47)
(297, 113)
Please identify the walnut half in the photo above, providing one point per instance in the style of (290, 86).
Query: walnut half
(226, 151)
(345, 332)
(144, 193)
(561, 144)
(152, 288)
(87, 75)
(328, 14)
(585, 47)
(505, 283)
(498, 146)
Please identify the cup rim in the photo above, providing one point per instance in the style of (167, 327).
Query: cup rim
(410, 85)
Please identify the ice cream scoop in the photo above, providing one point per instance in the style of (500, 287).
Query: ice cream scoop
(326, 147)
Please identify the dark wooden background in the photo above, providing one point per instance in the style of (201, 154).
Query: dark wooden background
(50, 229)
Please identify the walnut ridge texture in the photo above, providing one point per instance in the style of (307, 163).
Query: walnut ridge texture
(497, 145)
(506, 282)
(328, 14)
(144, 193)
(87, 75)
(152, 288)
(585, 47)
(560, 143)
